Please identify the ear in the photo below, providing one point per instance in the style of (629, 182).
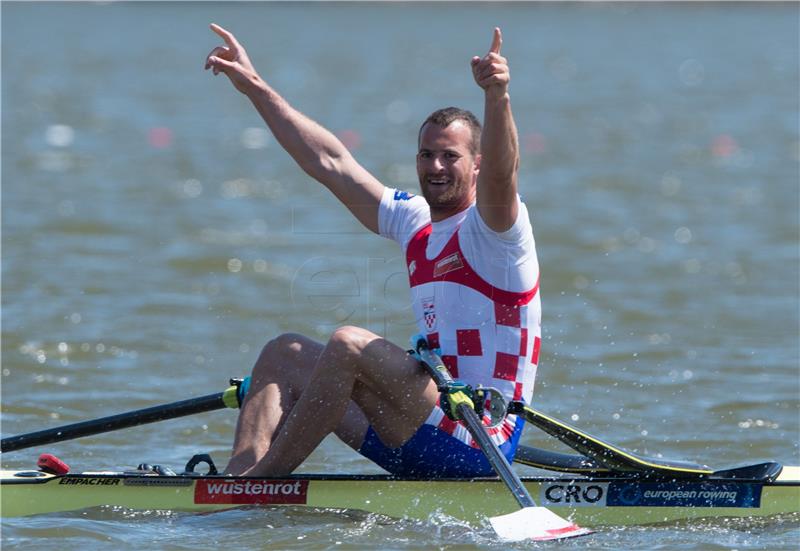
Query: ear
(477, 164)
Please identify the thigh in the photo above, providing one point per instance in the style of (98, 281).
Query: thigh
(292, 357)
(395, 393)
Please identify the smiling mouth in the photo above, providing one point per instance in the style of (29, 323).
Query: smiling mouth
(438, 181)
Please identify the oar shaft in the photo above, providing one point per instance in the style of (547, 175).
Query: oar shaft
(496, 459)
(114, 422)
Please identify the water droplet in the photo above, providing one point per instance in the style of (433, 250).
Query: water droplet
(240, 187)
(234, 265)
(683, 235)
(59, 135)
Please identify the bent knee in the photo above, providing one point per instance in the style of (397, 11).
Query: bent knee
(288, 349)
(351, 340)
(284, 344)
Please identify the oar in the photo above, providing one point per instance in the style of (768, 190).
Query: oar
(608, 455)
(229, 398)
(531, 521)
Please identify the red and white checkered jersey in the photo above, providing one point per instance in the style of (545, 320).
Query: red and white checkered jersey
(474, 295)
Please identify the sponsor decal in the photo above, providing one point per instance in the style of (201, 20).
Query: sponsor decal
(245, 492)
(412, 267)
(402, 195)
(90, 481)
(429, 313)
(684, 494)
(448, 264)
(574, 494)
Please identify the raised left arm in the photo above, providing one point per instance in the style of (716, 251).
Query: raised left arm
(497, 179)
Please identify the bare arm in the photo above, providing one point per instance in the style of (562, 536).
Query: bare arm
(316, 150)
(497, 179)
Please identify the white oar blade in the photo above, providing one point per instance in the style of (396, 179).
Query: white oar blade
(535, 523)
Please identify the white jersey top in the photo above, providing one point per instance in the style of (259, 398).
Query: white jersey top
(474, 295)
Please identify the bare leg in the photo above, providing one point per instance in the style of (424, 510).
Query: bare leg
(279, 377)
(388, 386)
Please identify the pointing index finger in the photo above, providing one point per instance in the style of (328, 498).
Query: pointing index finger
(225, 35)
(497, 41)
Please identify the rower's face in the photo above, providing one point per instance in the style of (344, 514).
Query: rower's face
(446, 168)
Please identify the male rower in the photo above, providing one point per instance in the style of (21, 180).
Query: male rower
(474, 279)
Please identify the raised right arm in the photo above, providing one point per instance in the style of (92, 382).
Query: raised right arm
(316, 150)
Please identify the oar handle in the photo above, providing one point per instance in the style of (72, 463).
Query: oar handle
(432, 364)
(230, 398)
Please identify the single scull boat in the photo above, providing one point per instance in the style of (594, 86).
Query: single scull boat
(604, 485)
(589, 501)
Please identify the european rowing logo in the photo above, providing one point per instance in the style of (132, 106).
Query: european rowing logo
(402, 195)
(429, 313)
(244, 492)
(684, 494)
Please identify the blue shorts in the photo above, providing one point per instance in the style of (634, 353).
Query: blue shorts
(432, 453)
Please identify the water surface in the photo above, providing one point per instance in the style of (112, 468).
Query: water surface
(154, 236)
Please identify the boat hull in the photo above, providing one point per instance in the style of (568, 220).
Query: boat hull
(587, 501)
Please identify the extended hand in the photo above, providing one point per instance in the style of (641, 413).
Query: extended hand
(491, 71)
(232, 60)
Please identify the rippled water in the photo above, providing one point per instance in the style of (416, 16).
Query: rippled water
(154, 235)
